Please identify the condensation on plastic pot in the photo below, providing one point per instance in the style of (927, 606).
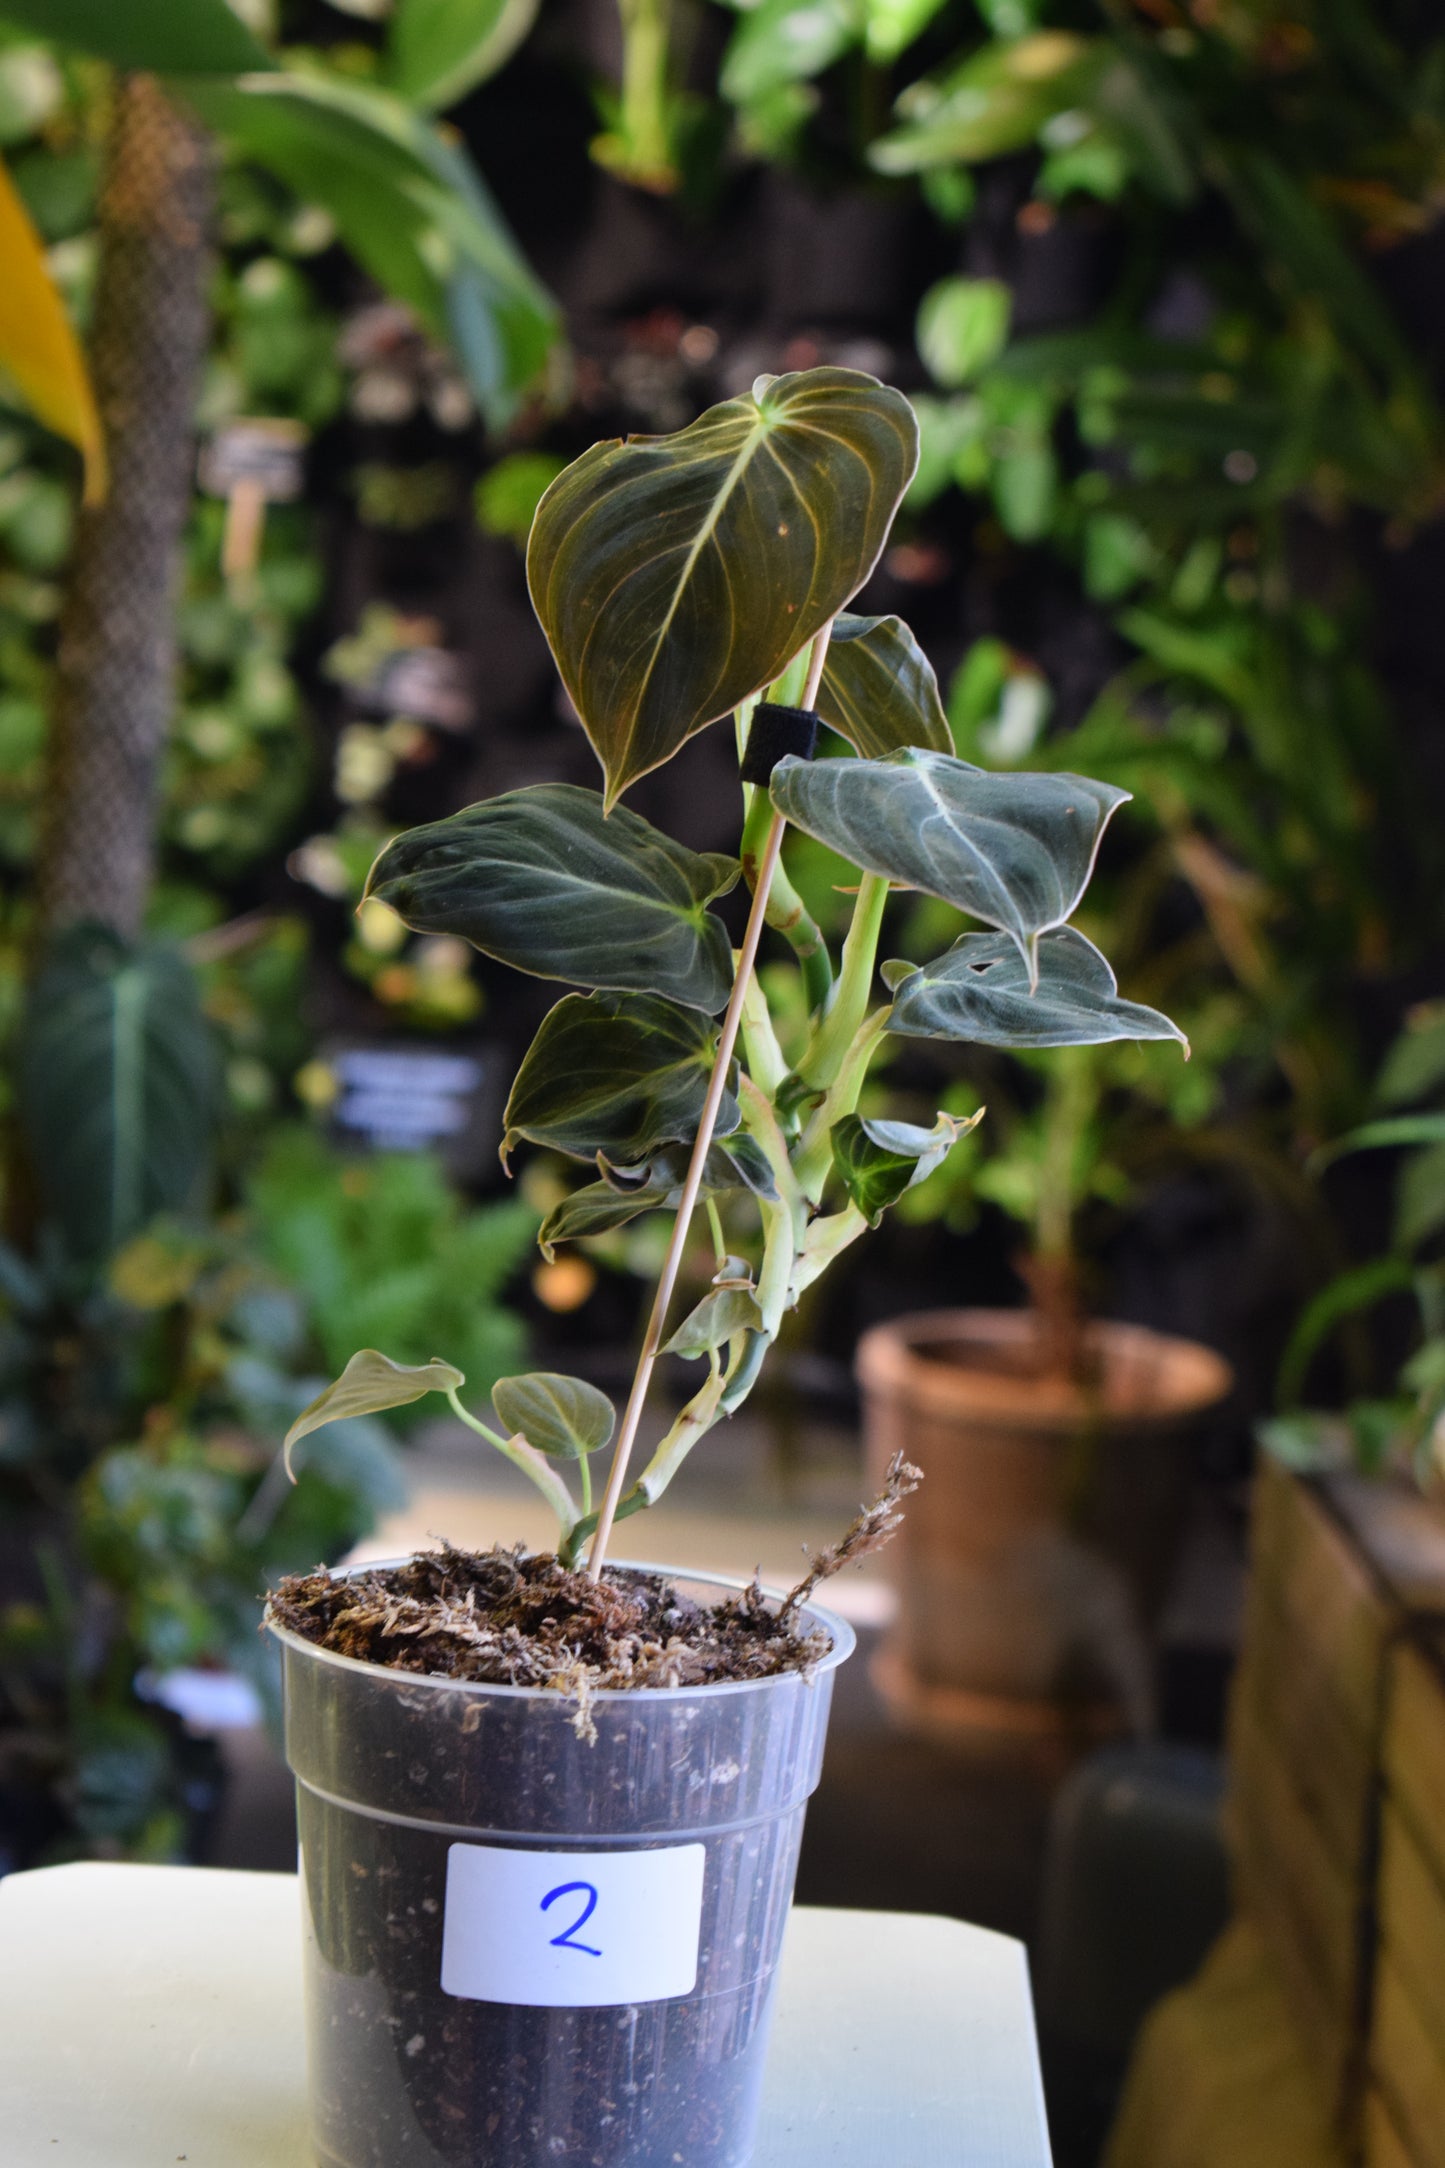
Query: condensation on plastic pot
(524, 1947)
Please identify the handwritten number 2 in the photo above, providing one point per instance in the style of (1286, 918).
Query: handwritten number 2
(564, 1940)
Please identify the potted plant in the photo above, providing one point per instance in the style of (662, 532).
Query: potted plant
(550, 1807)
(1054, 1443)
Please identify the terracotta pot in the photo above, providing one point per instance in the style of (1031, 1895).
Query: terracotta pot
(1040, 1546)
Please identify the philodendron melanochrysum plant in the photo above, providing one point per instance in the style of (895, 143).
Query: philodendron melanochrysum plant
(679, 580)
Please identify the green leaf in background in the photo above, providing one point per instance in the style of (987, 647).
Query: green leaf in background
(543, 880)
(963, 325)
(890, 26)
(369, 1383)
(1141, 129)
(674, 576)
(1415, 1063)
(1420, 1195)
(993, 102)
(563, 1417)
(979, 991)
(623, 1195)
(1384, 1135)
(618, 1074)
(411, 207)
(1344, 1296)
(386, 1254)
(508, 494)
(503, 322)
(1293, 230)
(877, 1161)
(787, 41)
(173, 37)
(1013, 850)
(718, 1318)
(441, 49)
(118, 1087)
(878, 690)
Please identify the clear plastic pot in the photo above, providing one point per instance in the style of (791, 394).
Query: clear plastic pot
(441, 1825)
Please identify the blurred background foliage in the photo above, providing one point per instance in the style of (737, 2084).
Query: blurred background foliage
(1159, 278)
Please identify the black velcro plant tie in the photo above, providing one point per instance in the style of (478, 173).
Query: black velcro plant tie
(775, 733)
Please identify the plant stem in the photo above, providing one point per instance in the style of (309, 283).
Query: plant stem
(787, 912)
(586, 1484)
(785, 909)
(714, 1220)
(814, 1154)
(533, 1464)
(767, 1065)
(644, 101)
(727, 1040)
(855, 984)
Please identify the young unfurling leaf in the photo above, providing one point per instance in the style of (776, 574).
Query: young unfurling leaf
(878, 1161)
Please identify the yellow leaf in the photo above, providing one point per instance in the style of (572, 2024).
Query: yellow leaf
(39, 351)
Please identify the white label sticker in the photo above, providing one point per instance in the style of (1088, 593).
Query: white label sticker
(571, 1930)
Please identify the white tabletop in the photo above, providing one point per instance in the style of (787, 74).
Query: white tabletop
(151, 2015)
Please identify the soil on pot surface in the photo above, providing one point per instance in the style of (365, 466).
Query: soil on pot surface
(514, 1618)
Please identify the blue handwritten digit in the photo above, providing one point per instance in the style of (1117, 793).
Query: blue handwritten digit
(564, 1940)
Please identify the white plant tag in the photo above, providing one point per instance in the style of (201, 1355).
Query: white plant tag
(571, 1930)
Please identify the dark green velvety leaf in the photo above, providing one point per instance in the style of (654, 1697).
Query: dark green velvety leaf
(616, 1074)
(369, 1383)
(624, 1194)
(676, 575)
(544, 880)
(118, 1088)
(411, 207)
(1013, 850)
(441, 49)
(979, 991)
(877, 1161)
(718, 1318)
(172, 37)
(563, 1417)
(879, 690)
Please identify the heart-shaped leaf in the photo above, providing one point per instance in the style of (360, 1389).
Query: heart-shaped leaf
(1014, 850)
(544, 880)
(624, 1194)
(369, 1383)
(877, 1161)
(879, 690)
(676, 575)
(718, 1318)
(563, 1417)
(619, 1074)
(980, 991)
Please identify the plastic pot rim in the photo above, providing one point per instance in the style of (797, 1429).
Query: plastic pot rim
(844, 1641)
